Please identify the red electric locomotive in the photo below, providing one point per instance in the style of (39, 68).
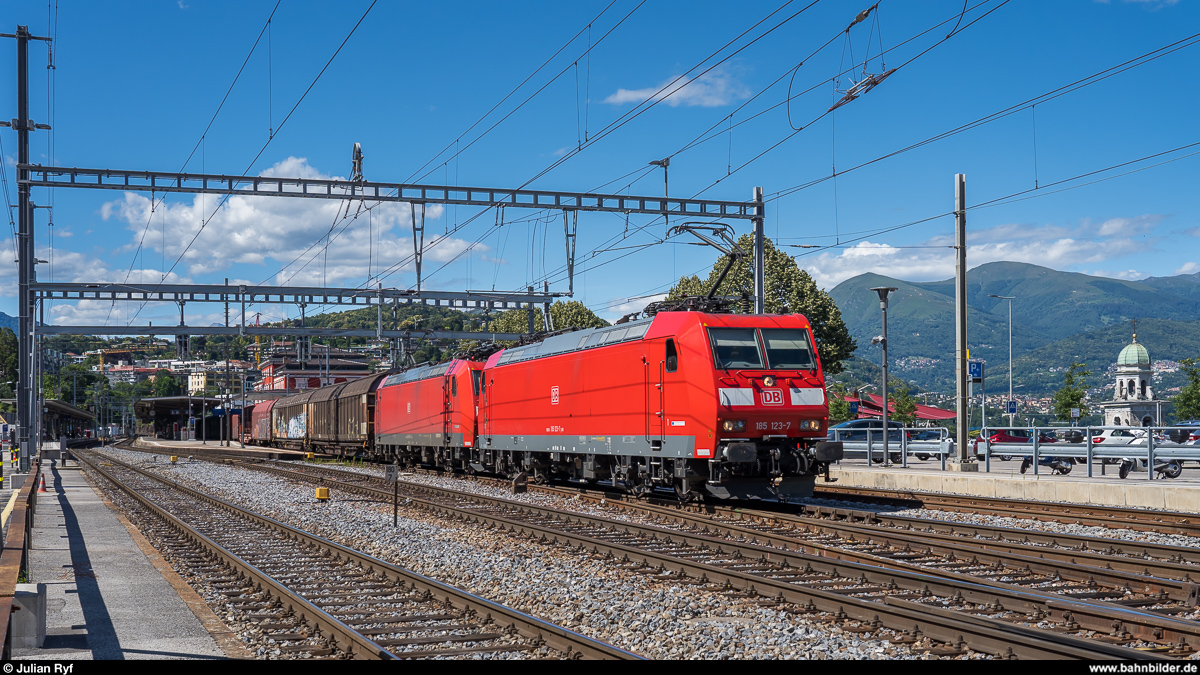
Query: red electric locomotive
(727, 405)
(427, 414)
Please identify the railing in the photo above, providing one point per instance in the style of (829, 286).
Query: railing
(899, 446)
(1152, 449)
(14, 559)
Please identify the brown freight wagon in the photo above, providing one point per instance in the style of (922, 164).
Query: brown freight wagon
(342, 417)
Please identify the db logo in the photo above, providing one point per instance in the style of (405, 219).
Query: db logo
(772, 397)
(554, 395)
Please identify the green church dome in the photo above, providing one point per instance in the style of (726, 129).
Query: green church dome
(1134, 355)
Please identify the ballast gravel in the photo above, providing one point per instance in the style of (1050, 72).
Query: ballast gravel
(655, 617)
(552, 501)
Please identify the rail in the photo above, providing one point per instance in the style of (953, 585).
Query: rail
(660, 551)
(555, 636)
(14, 558)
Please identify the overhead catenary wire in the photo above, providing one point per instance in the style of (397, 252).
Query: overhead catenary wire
(648, 103)
(709, 133)
(263, 149)
(418, 175)
(853, 66)
(1094, 78)
(1019, 195)
(1030, 193)
(659, 96)
(822, 115)
(203, 134)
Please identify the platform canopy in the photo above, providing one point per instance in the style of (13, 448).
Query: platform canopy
(176, 407)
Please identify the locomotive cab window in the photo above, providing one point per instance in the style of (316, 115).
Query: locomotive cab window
(476, 380)
(672, 357)
(788, 349)
(454, 386)
(735, 348)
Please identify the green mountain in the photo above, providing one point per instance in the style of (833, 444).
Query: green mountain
(1055, 315)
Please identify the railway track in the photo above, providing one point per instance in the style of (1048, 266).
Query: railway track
(315, 597)
(1025, 557)
(1167, 522)
(947, 610)
(1108, 567)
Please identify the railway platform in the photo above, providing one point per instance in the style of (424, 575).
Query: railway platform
(108, 593)
(214, 447)
(1006, 481)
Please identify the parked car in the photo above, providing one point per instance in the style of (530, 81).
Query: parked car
(856, 430)
(1185, 436)
(1118, 437)
(926, 435)
(1014, 436)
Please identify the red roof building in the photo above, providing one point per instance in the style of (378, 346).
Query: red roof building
(870, 405)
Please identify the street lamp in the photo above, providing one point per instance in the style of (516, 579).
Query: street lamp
(884, 292)
(1009, 298)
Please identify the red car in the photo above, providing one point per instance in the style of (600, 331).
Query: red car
(1014, 436)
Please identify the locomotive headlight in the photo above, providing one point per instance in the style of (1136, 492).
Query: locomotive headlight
(734, 425)
(810, 425)
(769, 380)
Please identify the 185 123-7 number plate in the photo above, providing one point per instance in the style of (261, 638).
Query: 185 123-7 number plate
(774, 426)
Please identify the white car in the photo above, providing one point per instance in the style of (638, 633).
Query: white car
(1120, 437)
(1135, 436)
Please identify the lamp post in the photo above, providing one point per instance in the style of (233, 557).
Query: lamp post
(884, 292)
(1009, 298)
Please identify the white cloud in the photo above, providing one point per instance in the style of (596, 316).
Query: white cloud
(718, 87)
(829, 269)
(1053, 246)
(1126, 275)
(273, 232)
(632, 305)
(1188, 268)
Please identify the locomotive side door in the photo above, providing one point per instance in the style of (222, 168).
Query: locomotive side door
(484, 414)
(449, 387)
(660, 364)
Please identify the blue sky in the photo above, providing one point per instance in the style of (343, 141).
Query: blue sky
(136, 83)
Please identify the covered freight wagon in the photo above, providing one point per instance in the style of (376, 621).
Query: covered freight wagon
(289, 421)
(340, 417)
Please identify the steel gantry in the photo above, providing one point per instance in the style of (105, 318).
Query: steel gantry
(416, 195)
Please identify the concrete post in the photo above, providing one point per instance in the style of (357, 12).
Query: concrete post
(965, 459)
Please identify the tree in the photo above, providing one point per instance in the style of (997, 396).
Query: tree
(573, 314)
(165, 384)
(1072, 392)
(1187, 403)
(839, 407)
(789, 290)
(905, 407)
(8, 358)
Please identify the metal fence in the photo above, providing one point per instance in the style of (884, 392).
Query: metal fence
(1152, 449)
